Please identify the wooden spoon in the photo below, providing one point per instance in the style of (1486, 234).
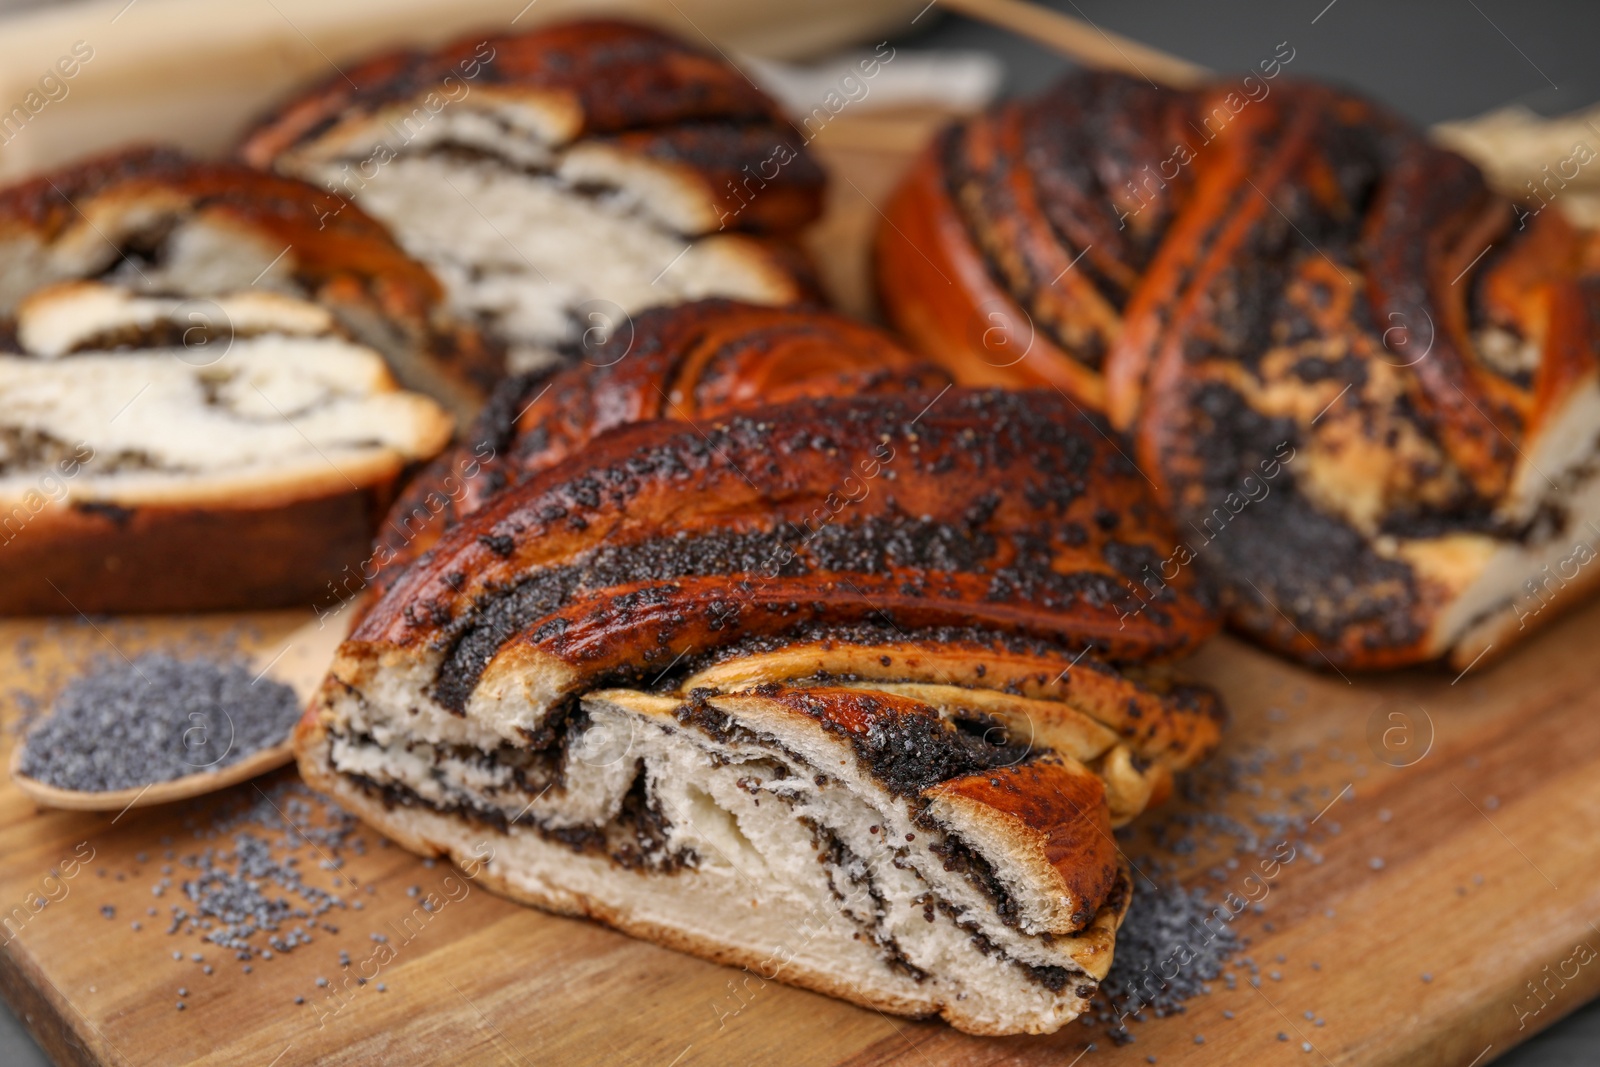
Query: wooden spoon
(301, 665)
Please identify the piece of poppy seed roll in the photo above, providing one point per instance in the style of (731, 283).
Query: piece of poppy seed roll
(561, 179)
(849, 690)
(204, 393)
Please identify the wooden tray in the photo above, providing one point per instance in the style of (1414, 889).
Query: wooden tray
(1434, 913)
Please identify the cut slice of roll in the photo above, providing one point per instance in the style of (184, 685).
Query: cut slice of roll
(850, 691)
(197, 406)
(561, 179)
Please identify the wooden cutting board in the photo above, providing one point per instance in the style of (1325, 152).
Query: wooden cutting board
(1489, 879)
(1447, 861)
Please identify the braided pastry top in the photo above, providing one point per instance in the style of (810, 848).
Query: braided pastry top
(1322, 333)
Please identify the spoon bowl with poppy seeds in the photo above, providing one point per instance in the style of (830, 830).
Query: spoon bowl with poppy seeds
(155, 729)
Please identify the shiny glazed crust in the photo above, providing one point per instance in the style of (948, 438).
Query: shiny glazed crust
(686, 363)
(1364, 384)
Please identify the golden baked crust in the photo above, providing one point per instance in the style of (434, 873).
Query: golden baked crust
(686, 363)
(1005, 510)
(1365, 385)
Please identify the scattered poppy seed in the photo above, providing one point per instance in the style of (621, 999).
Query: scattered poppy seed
(183, 991)
(1376, 863)
(1282, 1036)
(299, 1000)
(382, 988)
(181, 1005)
(1426, 977)
(1305, 1046)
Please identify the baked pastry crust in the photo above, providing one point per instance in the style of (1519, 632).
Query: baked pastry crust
(847, 689)
(689, 363)
(1365, 384)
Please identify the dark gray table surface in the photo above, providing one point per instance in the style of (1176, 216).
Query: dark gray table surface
(1432, 59)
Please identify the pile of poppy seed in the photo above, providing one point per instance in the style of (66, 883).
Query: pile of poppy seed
(135, 723)
(1178, 940)
(1166, 955)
